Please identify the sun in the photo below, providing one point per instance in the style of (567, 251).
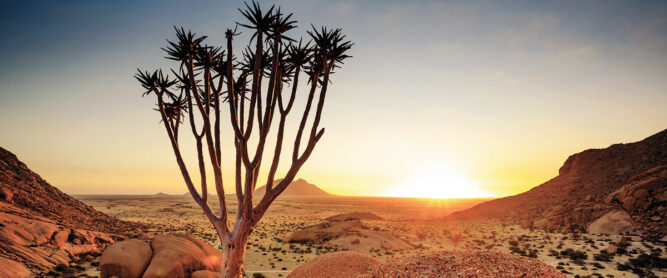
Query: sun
(437, 182)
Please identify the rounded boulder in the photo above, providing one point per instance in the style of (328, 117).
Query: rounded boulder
(125, 259)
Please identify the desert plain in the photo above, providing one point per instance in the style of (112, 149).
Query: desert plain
(387, 228)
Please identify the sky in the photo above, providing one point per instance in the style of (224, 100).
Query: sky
(441, 99)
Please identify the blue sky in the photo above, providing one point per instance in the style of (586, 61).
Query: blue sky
(501, 91)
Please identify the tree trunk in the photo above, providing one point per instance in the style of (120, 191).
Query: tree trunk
(235, 251)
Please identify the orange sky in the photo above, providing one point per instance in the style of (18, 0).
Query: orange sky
(493, 96)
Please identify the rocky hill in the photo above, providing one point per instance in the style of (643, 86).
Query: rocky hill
(612, 190)
(25, 189)
(298, 188)
(42, 228)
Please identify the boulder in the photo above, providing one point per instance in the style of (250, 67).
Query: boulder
(178, 255)
(614, 222)
(348, 235)
(6, 194)
(83, 236)
(59, 238)
(125, 259)
(612, 249)
(80, 249)
(629, 203)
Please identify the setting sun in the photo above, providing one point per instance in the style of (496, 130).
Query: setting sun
(438, 182)
(463, 139)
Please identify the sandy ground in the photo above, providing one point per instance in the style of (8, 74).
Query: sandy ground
(408, 218)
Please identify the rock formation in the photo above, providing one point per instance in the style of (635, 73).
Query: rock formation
(170, 255)
(591, 184)
(43, 228)
(351, 234)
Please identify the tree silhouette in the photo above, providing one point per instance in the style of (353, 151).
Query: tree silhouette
(209, 78)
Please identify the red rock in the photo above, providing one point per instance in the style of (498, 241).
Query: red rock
(128, 258)
(32, 256)
(6, 194)
(178, 255)
(623, 176)
(641, 194)
(10, 268)
(60, 237)
(629, 203)
(80, 249)
(25, 231)
(40, 217)
(83, 236)
(38, 198)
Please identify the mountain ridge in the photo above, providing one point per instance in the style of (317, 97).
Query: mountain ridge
(582, 191)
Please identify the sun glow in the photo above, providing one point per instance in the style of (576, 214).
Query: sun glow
(438, 182)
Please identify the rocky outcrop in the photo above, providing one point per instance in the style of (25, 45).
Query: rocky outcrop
(39, 244)
(11, 268)
(615, 222)
(628, 177)
(42, 228)
(28, 191)
(349, 235)
(171, 255)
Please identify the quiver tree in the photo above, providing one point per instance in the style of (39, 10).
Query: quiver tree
(255, 87)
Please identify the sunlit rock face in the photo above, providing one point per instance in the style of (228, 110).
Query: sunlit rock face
(170, 255)
(623, 177)
(44, 229)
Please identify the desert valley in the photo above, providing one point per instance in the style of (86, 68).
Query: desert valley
(603, 216)
(333, 139)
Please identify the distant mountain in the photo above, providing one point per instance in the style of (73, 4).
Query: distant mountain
(627, 179)
(298, 188)
(161, 194)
